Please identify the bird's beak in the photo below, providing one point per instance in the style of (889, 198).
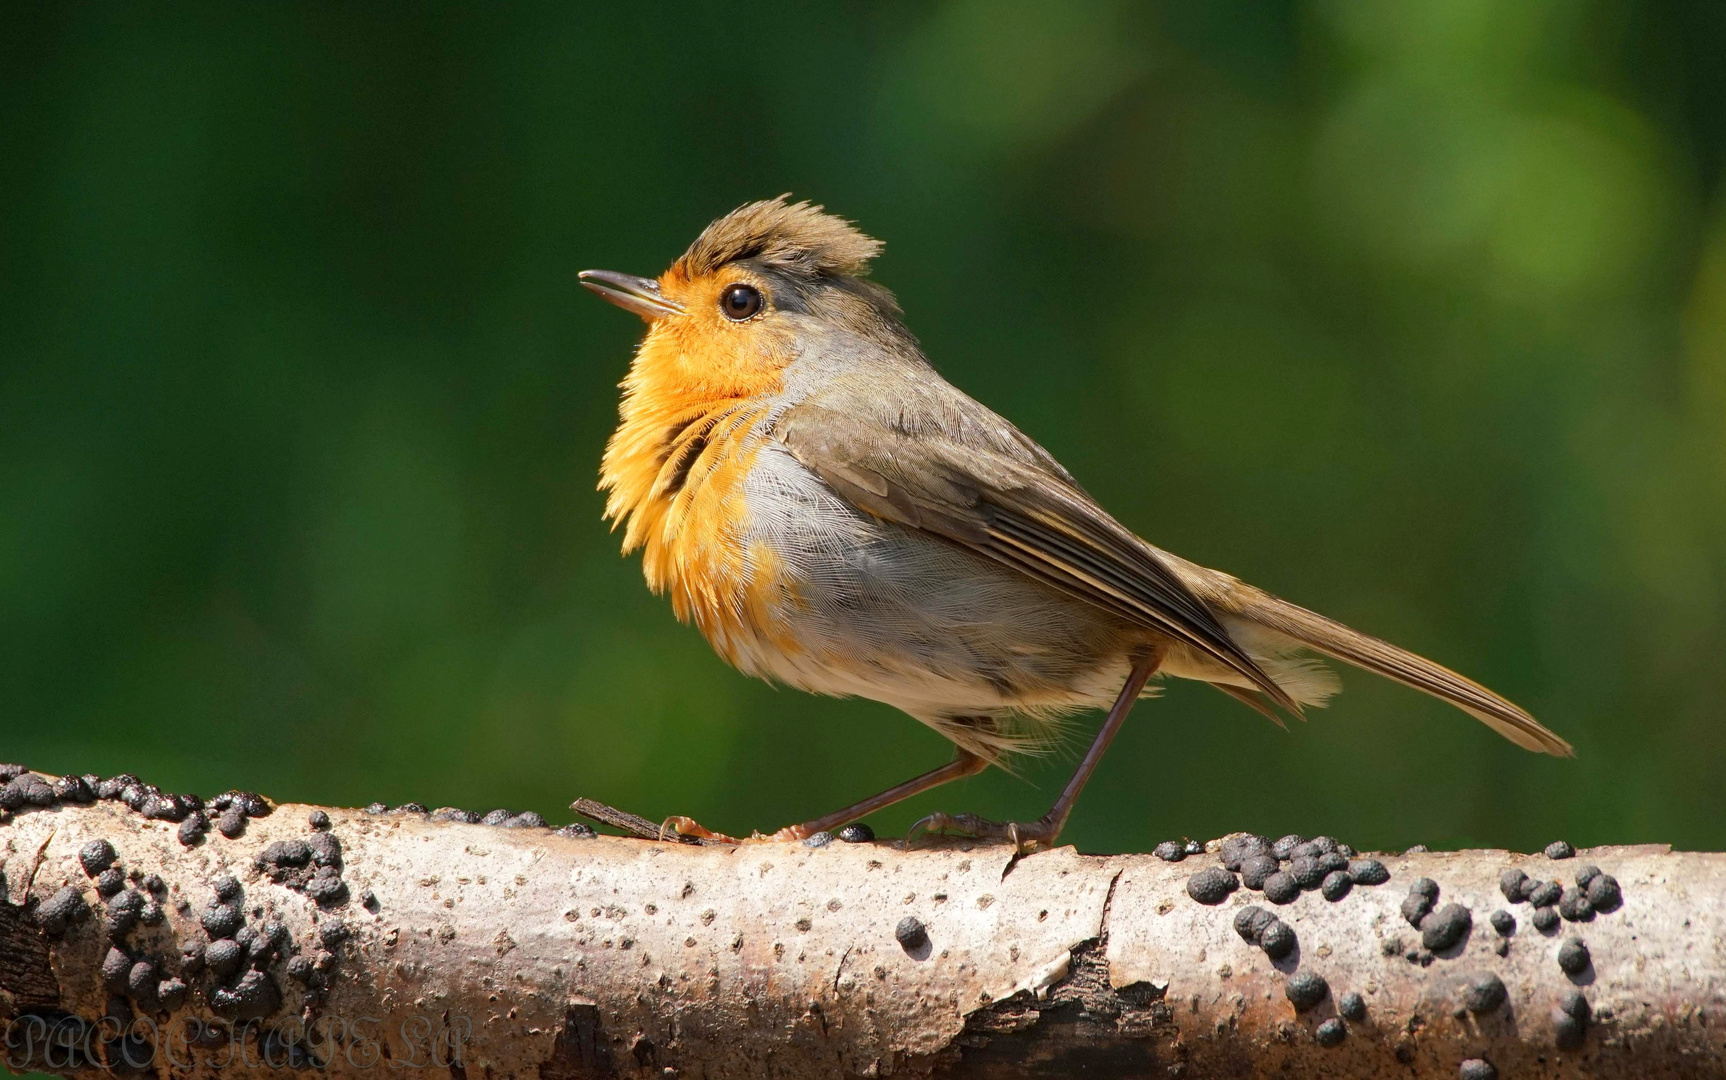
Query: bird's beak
(638, 294)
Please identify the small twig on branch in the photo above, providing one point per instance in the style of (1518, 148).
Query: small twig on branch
(633, 824)
(288, 937)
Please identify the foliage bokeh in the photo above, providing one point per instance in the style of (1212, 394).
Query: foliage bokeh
(1412, 312)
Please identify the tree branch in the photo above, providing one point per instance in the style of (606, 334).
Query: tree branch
(297, 936)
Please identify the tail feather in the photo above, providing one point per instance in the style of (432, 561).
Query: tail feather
(1351, 646)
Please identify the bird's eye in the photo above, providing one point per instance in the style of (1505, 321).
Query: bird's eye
(740, 302)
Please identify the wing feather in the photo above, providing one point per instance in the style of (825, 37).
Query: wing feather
(1016, 509)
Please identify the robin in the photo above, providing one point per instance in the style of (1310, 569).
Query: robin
(835, 516)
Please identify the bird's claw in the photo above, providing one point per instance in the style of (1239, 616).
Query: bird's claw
(678, 826)
(1025, 836)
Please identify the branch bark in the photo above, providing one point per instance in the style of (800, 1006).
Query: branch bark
(376, 938)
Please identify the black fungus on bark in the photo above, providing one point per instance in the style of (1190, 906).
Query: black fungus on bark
(65, 909)
(1573, 956)
(1415, 907)
(96, 856)
(1281, 888)
(1305, 990)
(1368, 872)
(1277, 940)
(1212, 885)
(1512, 884)
(1307, 871)
(1250, 922)
(1484, 993)
(1604, 894)
(910, 933)
(1237, 849)
(1445, 927)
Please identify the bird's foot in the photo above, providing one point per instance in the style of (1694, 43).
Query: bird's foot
(1025, 836)
(687, 826)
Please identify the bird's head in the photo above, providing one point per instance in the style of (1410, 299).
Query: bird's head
(737, 302)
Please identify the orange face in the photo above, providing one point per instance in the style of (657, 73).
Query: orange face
(718, 333)
(729, 335)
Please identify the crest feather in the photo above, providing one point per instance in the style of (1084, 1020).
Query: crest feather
(794, 236)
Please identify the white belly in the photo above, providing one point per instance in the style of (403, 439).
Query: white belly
(885, 612)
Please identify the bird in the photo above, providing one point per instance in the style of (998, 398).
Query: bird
(834, 516)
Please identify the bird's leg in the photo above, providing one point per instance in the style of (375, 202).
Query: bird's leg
(964, 764)
(1028, 836)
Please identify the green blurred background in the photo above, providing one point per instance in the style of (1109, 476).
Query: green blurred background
(1412, 312)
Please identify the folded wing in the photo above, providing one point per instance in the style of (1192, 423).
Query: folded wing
(1016, 508)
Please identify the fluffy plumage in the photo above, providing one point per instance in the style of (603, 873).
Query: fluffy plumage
(834, 515)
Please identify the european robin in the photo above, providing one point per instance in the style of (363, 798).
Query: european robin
(834, 515)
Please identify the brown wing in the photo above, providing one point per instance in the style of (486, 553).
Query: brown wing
(1015, 508)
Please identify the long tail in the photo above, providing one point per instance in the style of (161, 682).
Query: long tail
(1332, 638)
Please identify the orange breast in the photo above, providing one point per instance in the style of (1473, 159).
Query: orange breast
(675, 470)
